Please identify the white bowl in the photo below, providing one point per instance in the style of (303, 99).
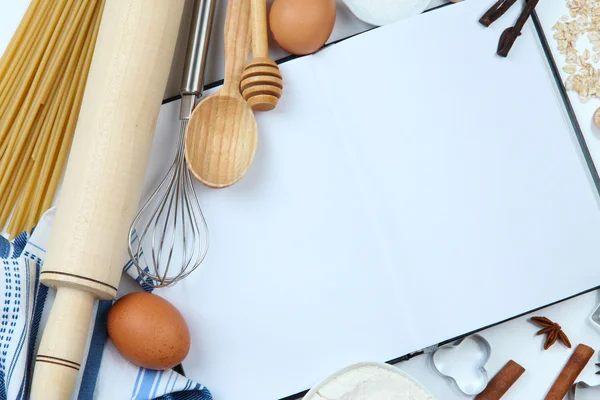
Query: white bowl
(315, 392)
(364, 10)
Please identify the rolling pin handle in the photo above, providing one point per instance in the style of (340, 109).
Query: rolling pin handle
(63, 345)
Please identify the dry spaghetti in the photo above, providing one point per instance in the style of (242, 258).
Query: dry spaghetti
(43, 72)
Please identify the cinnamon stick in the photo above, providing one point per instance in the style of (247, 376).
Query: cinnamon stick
(503, 381)
(579, 359)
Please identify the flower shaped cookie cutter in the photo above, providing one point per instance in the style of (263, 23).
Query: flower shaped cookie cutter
(463, 362)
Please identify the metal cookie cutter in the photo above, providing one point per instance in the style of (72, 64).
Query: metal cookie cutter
(595, 318)
(583, 391)
(463, 362)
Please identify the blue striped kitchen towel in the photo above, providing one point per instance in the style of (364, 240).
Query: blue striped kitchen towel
(105, 374)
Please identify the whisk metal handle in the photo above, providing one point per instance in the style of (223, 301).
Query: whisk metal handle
(193, 71)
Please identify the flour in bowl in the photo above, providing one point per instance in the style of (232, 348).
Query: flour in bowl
(371, 382)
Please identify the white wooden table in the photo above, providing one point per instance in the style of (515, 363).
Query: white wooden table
(346, 25)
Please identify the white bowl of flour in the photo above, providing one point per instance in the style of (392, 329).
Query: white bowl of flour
(369, 381)
(383, 12)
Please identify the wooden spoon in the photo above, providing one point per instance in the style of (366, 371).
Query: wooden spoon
(221, 136)
(261, 82)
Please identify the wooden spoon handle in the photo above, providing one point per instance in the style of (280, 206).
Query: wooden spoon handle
(237, 42)
(260, 43)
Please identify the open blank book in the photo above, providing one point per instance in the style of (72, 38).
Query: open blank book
(410, 187)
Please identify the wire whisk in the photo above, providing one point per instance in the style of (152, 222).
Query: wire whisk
(176, 232)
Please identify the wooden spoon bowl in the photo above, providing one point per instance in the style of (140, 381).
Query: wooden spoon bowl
(262, 84)
(222, 147)
(222, 134)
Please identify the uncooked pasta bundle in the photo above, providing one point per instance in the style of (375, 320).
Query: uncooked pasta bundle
(43, 73)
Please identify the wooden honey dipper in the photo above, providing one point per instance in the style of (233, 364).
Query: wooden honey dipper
(261, 83)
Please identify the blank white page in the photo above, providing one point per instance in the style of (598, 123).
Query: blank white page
(410, 187)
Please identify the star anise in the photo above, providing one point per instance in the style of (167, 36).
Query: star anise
(598, 365)
(552, 330)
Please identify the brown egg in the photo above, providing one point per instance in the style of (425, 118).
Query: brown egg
(302, 26)
(148, 331)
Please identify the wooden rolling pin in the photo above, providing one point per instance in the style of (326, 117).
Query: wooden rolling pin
(103, 179)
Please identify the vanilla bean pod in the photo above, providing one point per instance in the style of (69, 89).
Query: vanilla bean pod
(510, 35)
(496, 12)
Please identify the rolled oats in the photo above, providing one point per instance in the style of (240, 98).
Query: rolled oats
(584, 77)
